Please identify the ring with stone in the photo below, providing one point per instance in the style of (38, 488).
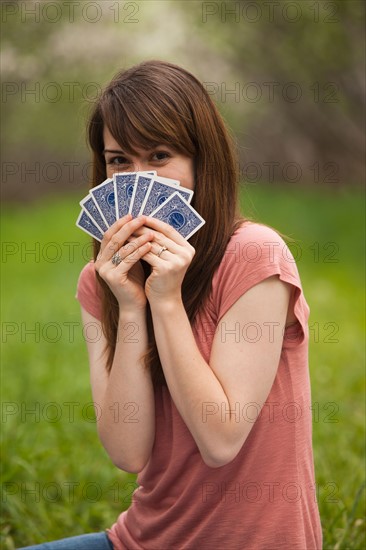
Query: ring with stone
(116, 259)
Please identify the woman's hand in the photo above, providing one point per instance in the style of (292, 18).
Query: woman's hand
(126, 280)
(169, 256)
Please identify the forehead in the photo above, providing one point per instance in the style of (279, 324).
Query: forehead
(109, 139)
(111, 143)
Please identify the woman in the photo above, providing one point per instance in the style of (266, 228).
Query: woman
(204, 353)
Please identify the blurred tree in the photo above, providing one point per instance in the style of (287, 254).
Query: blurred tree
(54, 65)
(288, 77)
(296, 90)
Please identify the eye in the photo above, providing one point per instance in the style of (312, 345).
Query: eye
(161, 155)
(117, 160)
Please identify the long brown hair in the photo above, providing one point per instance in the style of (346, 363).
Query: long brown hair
(156, 103)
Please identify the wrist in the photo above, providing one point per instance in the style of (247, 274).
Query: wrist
(167, 305)
(131, 327)
(131, 314)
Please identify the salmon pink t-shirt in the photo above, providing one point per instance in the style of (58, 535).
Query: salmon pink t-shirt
(264, 499)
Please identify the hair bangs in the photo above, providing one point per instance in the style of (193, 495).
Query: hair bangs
(133, 127)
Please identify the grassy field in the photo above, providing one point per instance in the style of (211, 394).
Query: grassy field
(57, 480)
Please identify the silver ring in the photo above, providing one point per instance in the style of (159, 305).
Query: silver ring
(161, 251)
(116, 259)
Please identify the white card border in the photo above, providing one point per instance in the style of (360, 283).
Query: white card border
(89, 196)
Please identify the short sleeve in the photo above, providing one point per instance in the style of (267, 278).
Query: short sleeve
(254, 253)
(88, 291)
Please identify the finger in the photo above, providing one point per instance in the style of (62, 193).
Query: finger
(133, 257)
(113, 230)
(158, 257)
(159, 240)
(152, 259)
(133, 244)
(166, 229)
(166, 235)
(161, 251)
(119, 238)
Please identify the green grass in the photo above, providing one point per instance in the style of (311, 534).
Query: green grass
(57, 479)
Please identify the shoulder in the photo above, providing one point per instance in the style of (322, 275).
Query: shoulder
(254, 253)
(255, 235)
(255, 246)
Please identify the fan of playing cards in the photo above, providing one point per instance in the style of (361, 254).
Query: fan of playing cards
(138, 193)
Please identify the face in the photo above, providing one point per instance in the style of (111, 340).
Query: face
(167, 162)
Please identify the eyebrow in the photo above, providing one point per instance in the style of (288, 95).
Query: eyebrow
(119, 151)
(112, 151)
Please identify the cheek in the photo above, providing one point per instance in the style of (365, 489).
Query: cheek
(185, 177)
(190, 175)
(110, 170)
(184, 172)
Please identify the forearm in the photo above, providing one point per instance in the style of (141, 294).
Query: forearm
(127, 421)
(191, 381)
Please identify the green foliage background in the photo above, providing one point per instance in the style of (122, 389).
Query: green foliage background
(48, 451)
